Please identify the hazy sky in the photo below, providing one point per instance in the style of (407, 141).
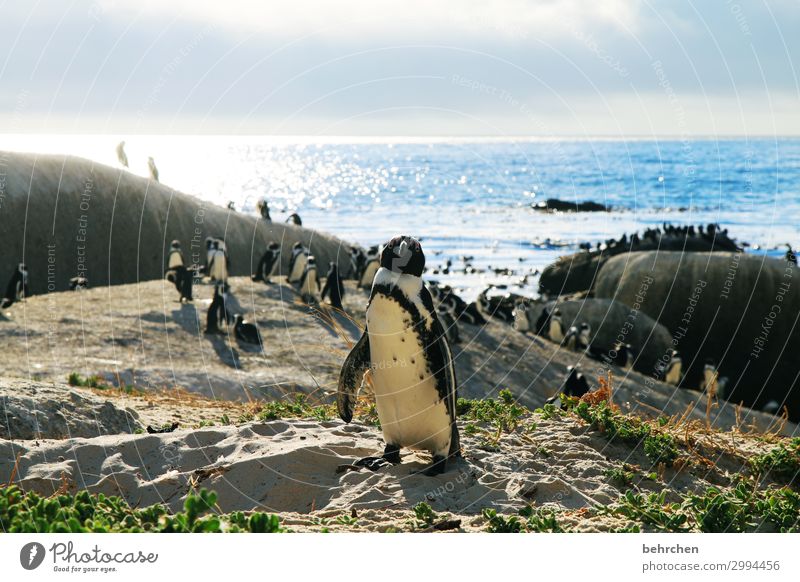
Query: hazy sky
(406, 67)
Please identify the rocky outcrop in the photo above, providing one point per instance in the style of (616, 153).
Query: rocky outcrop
(34, 410)
(577, 272)
(739, 310)
(65, 216)
(612, 321)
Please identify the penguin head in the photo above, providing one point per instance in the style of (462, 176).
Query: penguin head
(209, 242)
(297, 246)
(273, 246)
(239, 319)
(176, 244)
(311, 261)
(403, 254)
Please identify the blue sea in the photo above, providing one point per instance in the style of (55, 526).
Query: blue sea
(473, 197)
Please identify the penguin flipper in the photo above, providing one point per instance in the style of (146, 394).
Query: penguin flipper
(350, 376)
(444, 370)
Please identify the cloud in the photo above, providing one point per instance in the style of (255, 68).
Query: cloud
(344, 19)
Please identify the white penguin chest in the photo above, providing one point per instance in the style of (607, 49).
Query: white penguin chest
(298, 268)
(411, 411)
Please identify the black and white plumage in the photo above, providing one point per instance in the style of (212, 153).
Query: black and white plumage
(405, 347)
(122, 157)
(17, 288)
(334, 286)
(297, 262)
(218, 262)
(358, 259)
(78, 283)
(263, 209)
(371, 265)
(294, 218)
(555, 331)
(247, 332)
(620, 354)
(309, 285)
(575, 385)
(151, 166)
(268, 263)
(671, 372)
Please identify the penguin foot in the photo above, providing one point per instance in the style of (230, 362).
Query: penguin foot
(372, 463)
(392, 454)
(436, 468)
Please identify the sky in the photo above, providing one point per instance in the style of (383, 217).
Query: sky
(401, 68)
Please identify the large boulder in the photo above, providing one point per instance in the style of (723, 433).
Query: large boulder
(739, 310)
(66, 216)
(577, 272)
(613, 321)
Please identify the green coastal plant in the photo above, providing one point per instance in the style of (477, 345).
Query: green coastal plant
(298, 407)
(782, 462)
(660, 447)
(83, 512)
(491, 417)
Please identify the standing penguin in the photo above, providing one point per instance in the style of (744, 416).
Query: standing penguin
(151, 165)
(297, 262)
(357, 261)
(177, 271)
(294, 218)
(672, 372)
(416, 402)
(334, 286)
(17, 288)
(556, 329)
(709, 382)
(309, 282)
(218, 263)
(263, 209)
(268, 263)
(521, 321)
(575, 385)
(121, 155)
(449, 324)
(370, 267)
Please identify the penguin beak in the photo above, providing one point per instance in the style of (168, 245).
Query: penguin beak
(402, 249)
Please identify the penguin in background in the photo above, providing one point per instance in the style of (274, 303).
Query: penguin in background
(790, 256)
(17, 288)
(78, 283)
(151, 166)
(232, 206)
(309, 282)
(575, 385)
(555, 330)
(357, 261)
(584, 337)
(449, 324)
(297, 262)
(122, 157)
(218, 263)
(371, 266)
(672, 372)
(178, 273)
(624, 355)
(571, 338)
(247, 332)
(268, 263)
(294, 218)
(416, 402)
(542, 322)
(334, 286)
(217, 313)
(263, 209)
(521, 321)
(711, 382)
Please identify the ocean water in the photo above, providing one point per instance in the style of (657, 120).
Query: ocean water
(472, 197)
